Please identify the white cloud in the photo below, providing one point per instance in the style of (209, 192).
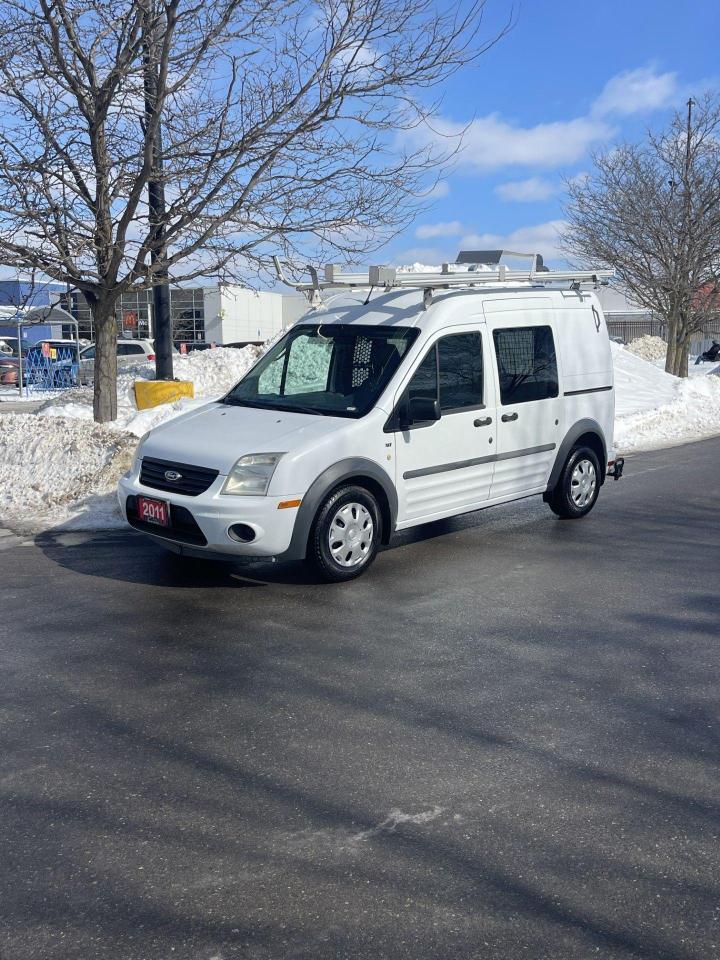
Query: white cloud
(538, 238)
(426, 255)
(490, 143)
(526, 191)
(493, 142)
(441, 189)
(636, 91)
(427, 231)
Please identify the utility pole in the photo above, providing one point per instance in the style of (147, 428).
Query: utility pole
(162, 323)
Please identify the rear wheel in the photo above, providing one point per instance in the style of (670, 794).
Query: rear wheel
(578, 487)
(346, 534)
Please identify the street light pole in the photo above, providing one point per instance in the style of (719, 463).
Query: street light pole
(162, 322)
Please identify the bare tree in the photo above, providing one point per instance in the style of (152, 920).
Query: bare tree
(282, 132)
(652, 211)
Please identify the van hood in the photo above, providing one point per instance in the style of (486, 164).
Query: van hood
(217, 435)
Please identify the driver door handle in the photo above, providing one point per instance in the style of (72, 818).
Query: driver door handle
(507, 417)
(485, 422)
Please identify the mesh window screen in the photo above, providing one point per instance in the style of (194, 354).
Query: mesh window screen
(361, 361)
(526, 363)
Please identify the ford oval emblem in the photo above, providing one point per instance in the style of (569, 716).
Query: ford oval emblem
(173, 475)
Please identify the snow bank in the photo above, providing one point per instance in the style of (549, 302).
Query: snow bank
(213, 372)
(49, 469)
(652, 349)
(655, 409)
(59, 467)
(639, 385)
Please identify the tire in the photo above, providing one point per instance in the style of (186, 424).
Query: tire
(346, 534)
(578, 487)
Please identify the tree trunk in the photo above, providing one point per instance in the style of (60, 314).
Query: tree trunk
(682, 355)
(105, 388)
(672, 325)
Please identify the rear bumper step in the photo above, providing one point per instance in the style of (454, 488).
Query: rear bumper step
(615, 468)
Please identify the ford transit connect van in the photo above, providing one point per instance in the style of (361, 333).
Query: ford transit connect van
(397, 400)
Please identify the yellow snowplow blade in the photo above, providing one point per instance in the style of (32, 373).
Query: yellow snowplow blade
(151, 393)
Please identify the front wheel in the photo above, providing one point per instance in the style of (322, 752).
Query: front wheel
(578, 487)
(346, 534)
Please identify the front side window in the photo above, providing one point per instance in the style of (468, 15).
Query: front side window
(452, 371)
(527, 367)
(424, 381)
(461, 371)
(333, 369)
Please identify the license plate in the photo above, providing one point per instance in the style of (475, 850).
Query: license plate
(154, 511)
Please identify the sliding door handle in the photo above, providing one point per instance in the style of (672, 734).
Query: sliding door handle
(485, 422)
(507, 417)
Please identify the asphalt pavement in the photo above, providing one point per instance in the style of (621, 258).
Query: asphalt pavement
(502, 742)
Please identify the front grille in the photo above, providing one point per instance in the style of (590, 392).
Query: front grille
(183, 527)
(194, 480)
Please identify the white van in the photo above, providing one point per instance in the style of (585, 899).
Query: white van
(403, 399)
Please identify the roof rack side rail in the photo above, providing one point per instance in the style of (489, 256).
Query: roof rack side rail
(390, 277)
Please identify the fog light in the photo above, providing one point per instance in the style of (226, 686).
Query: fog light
(242, 532)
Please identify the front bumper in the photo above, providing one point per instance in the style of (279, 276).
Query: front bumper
(200, 525)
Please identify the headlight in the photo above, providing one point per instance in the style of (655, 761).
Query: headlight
(251, 475)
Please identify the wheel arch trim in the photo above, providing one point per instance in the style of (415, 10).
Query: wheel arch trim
(577, 430)
(352, 468)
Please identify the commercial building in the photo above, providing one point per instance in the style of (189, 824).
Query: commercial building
(222, 313)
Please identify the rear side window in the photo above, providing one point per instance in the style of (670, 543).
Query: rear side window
(452, 371)
(128, 349)
(527, 367)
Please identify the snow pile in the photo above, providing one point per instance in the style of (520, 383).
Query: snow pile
(654, 409)
(652, 349)
(213, 373)
(453, 267)
(48, 468)
(639, 385)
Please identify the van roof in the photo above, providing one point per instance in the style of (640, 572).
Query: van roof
(404, 307)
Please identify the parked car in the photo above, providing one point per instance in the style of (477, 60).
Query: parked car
(9, 346)
(129, 352)
(376, 414)
(9, 366)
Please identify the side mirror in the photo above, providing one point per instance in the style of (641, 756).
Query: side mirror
(418, 410)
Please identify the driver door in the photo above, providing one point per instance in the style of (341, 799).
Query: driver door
(445, 466)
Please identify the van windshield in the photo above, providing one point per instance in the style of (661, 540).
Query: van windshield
(337, 370)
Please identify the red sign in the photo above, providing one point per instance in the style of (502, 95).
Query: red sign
(153, 511)
(129, 320)
(46, 349)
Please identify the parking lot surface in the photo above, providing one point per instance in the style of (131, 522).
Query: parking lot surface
(502, 742)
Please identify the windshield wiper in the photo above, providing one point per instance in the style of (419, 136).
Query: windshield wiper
(237, 402)
(284, 407)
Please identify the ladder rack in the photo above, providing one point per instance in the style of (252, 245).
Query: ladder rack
(389, 278)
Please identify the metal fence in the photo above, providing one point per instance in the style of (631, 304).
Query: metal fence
(49, 364)
(629, 326)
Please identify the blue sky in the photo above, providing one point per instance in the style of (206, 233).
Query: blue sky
(569, 78)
